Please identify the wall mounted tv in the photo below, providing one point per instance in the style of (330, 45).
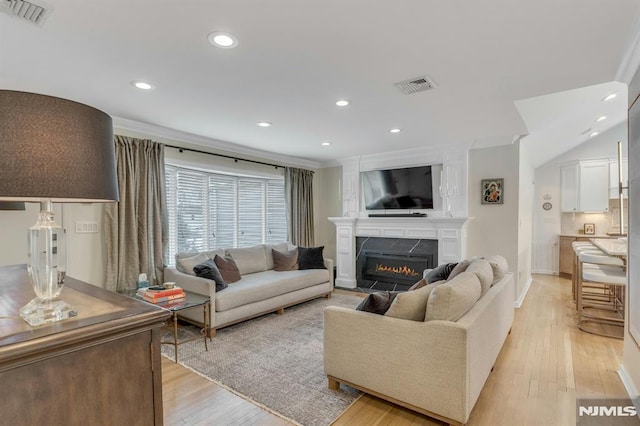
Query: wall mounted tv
(392, 189)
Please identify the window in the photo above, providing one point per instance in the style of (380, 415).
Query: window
(213, 210)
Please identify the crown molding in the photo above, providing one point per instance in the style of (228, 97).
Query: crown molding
(211, 144)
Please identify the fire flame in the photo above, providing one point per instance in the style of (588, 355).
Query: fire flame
(402, 270)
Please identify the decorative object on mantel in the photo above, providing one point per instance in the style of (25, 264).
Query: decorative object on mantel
(448, 191)
(492, 191)
(53, 150)
(589, 229)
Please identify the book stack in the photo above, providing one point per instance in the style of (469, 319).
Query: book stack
(163, 296)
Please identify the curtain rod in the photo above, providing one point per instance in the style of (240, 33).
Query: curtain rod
(236, 159)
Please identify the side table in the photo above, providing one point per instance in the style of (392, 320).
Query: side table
(192, 301)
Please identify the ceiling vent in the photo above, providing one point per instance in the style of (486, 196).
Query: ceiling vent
(31, 11)
(415, 85)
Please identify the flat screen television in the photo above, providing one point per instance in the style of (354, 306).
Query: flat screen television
(393, 189)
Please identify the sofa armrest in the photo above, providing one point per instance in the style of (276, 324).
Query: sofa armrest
(328, 263)
(191, 283)
(421, 363)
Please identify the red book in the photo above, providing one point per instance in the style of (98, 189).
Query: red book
(165, 299)
(163, 293)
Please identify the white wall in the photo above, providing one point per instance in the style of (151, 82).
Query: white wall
(494, 228)
(328, 203)
(547, 225)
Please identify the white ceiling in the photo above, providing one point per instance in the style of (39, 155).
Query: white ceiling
(297, 57)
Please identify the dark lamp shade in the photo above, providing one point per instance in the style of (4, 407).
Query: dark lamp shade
(53, 148)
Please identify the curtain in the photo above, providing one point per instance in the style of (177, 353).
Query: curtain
(136, 227)
(298, 190)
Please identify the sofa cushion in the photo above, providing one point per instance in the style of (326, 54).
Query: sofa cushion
(418, 285)
(210, 271)
(228, 268)
(499, 266)
(264, 285)
(310, 258)
(186, 264)
(281, 247)
(249, 259)
(377, 303)
(458, 269)
(411, 305)
(483, 271)
(440, 273)
(285, 261)
(451, 300)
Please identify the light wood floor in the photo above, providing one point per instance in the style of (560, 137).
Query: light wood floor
(545, 364)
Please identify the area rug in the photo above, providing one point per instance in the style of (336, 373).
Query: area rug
(275, 361)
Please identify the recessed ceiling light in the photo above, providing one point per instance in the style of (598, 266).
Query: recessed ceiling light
(594, 134)
(609, 97)
(223, 40)
(394, 131)
(602, 118)
(142, 85)
(264, 124)
(326, 143)
(342, 102)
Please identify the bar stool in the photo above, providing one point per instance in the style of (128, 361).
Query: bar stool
(601, 283)
(580, 247)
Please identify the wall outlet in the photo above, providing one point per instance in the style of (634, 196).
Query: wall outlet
(86, 227)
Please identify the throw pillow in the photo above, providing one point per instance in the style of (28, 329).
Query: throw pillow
(285, 261)
(418, 285)
(186, 264)
(483, 271)
(411, 305)
(499, 266)
(210, 271)
(459, 268)
(440, 273)
(228, 268)
(377, 303)
(451, 300)
(310, 258)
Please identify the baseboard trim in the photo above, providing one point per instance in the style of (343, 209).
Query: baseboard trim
(520, 300)
(629, 386)
(544, 272)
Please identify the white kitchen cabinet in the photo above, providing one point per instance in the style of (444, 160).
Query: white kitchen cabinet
(613, 177)
(584, 186)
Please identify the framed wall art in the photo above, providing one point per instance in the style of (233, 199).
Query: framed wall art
(492, 191)
(589, 228)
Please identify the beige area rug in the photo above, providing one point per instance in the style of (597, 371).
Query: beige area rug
(275, 361)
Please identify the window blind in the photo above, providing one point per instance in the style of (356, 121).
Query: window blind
(208, 210)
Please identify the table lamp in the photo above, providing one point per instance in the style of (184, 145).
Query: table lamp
(52, 150)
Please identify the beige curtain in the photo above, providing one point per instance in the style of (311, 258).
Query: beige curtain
(298, 189)
(136, 227)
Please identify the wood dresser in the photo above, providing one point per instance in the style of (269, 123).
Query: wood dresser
(101, 367)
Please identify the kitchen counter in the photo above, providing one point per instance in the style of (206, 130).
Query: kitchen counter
(588, 236)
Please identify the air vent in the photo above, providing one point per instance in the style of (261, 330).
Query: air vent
(34, 12)
(415, 85)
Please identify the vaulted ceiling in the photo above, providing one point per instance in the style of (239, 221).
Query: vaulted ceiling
(296, 58)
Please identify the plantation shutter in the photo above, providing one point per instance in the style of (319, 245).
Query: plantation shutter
(213, 210)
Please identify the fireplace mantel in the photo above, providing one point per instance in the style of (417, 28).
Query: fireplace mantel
(449, 231)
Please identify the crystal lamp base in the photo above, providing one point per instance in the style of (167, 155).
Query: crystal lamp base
(40, 311)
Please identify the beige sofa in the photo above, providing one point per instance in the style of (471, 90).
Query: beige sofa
(260, 290)
(435, 367)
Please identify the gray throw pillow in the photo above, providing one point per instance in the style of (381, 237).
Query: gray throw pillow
(377, 303)
(440, 273)
(210, 271)
(285, 261)
(228, 268)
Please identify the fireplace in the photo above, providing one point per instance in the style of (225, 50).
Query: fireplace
(393, 263)
(396, 268)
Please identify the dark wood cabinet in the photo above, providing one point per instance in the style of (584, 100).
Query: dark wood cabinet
(101, 367)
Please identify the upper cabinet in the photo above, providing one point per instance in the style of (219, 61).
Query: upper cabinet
(613, 177)
(584, 186)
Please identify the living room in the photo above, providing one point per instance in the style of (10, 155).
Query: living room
(489, 74)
